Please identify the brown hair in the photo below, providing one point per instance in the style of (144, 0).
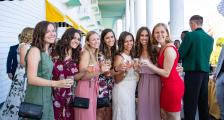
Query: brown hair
(63, 45)
(168, 40)
(39, 33)
(121, 40)
(139, 47)
(197, 19)
(26, 35)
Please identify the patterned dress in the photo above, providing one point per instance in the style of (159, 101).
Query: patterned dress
(10, 109)
(105, 86)
(62, 96)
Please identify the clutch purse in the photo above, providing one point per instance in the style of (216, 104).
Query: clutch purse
(29, 110)
(80, 102)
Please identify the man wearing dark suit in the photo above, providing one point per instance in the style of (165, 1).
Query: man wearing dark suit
(219, 78)
(195, 53)
(12, 61)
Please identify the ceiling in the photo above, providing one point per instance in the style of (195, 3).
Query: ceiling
(111, 10)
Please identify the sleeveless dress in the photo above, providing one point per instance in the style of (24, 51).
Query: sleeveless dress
(62, 96)
(172, 86)
(42, 95)
(10, 108)
(87, 88)
(149, 88)
(123, 95)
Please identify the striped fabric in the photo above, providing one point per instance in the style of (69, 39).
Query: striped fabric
(220, 7)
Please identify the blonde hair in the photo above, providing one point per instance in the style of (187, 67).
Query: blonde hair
(168, 40)
(26, 35)
(93, 56)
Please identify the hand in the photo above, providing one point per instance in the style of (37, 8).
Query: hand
(10, 76)
(214, 78)
(105, 68)
(163, 114)
(179, 69)
(147, 63)
(66, 83)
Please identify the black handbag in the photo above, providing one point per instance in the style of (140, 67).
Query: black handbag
(29, 110)
(79, 102)
(103, 102)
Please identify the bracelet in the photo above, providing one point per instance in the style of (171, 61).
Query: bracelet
(115, 69)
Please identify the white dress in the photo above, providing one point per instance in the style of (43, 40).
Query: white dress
(123, 96)
(10, 108)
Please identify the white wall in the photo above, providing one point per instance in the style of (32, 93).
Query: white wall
(15, 15)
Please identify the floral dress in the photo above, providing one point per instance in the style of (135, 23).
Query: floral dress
(62, 96)
(10, 108)
(105, 86)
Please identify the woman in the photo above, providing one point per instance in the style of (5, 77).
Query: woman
(172, 84)
(123, 93)
(89, 72)
(149, 85)
(65, 65)
(107, 53)
(39, 69)
(10, 109)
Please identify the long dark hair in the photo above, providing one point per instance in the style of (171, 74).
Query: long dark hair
(121, 40)
(39, 33)
(139, 47)
(103, 47)
(63, 45)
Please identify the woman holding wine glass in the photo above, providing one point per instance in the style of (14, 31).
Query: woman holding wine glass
(66, 61)
(106, 56)
(88, 77)
(123, 93)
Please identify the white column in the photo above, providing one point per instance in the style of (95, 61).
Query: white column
(132, 17)
(123, 23)
(127, 15)
(176, 18)
(140, 14)
(149, 14)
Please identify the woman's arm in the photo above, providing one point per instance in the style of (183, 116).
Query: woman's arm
(119, 69)
(83, 67)
(33, 59)
(169, 58)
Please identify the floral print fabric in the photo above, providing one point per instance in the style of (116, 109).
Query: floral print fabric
(62, 96)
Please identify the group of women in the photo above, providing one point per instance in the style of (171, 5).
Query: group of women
(104, 67)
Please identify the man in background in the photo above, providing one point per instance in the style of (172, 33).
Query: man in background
(195, 51)
(12, 60)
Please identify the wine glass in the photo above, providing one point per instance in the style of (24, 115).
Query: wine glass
(108, 62)
(126, 63)
(136, 63)
(71, 77)
(91, 68)
(101, 59)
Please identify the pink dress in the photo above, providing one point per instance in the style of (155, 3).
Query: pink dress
(62, 96)
(88, 89)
